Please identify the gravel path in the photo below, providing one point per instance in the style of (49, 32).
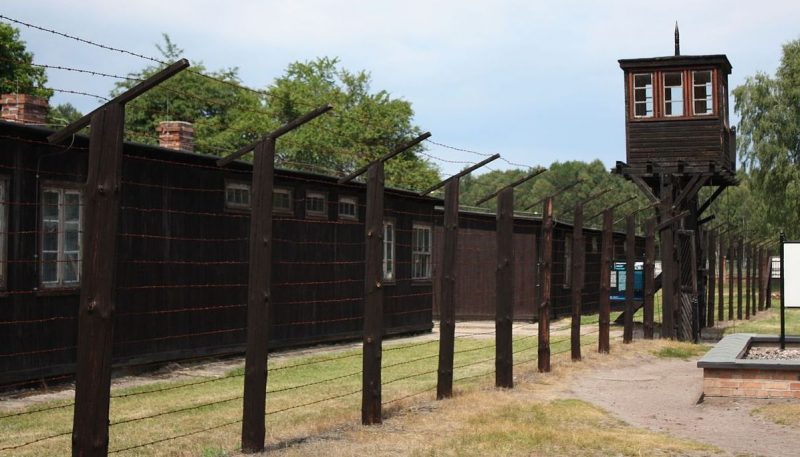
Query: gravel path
(662, 395)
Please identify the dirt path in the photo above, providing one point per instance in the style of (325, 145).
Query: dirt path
(662, 395)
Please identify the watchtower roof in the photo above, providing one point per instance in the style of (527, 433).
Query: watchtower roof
(716, 60)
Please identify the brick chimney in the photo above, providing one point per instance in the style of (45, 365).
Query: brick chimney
(23, 108)
(176, 135)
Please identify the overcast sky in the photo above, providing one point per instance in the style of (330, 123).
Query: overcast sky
(536, 81)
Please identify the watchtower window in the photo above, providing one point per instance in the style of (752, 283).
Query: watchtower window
(703, 93)
(643, 95)
(673, 94)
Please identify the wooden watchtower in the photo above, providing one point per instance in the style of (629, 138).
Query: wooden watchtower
(679, 139)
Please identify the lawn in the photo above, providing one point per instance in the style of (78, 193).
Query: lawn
(316, 397)
(308, 395)
(768, 323)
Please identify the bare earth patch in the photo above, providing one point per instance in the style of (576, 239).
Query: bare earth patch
(662, 395)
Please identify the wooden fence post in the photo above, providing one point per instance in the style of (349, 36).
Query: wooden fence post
(751, 279)
(649, 277)
(504, 290)
(768, 278)
(760, 268)
(668, 273)
(712, 276)
(630, 267)
(447, 302)
(547, 285)
(731, 260)
(721, 285)
(603, 342)
(739, 261)
(258, 298)
(746, 260)
(578, 260)
(98, 275)
(373, 298)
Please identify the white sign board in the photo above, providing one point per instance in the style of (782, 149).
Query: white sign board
(791, 269)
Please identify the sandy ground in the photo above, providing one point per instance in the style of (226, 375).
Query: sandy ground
(634, 390)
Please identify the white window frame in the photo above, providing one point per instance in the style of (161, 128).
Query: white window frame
(61, 253)
(312, 194)
(3, 232)
(348, 201)
(238, 187)
(650, 100)
(709, 98)
(388, 254)
(672, 102)
(418, 252)
(281, 191)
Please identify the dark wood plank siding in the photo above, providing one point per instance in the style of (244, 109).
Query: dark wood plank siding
(476, 258)
(670, 141)
(183, 261)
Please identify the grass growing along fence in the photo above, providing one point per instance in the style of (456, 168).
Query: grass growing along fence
(308, 395)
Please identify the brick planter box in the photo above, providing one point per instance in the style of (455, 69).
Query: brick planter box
(727, 374)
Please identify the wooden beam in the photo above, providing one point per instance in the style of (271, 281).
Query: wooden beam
(649, 276)
(691, 189)
(711, 199)
(630, 263)
(612, 207)
(554, 194)
(667, 261)
(459, 175)
(504, 289)
(397, 151)
(644, 188)
(275, 134)
(668, 222)
(606, 251)
(547, 286)
(731, 260)
(706, 220)
(739, 261)
(101, 202)
(447, 292)
(578, 260)
(712, 277)
(512, 185)
(258, 299)
(721, 287)
(121, 100)
(373, 298)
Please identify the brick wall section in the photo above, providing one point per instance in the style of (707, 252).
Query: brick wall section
(25, 109)
(751, 383)
(176, 135)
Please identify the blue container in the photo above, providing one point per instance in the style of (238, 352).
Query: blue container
(618, 277)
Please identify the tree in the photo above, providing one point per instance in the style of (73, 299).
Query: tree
(63, 114)
(593, 176)
(225, 117)
(769, 143)
(363, 126)
(17, 73)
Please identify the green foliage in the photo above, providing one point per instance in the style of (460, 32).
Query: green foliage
(224, 116)
(17, 75)
(63, 114)
(769, 146)
(363, 126)
(593, 176)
